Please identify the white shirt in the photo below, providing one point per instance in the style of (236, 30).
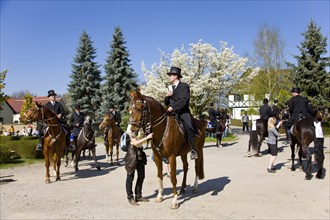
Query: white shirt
(318, 130)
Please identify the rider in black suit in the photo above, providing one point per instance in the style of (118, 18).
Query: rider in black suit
(56, 107)
(266, 111)
(178, 102)
(214, 115)
(298, 105)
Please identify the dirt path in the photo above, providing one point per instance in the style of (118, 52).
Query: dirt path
(235, 187)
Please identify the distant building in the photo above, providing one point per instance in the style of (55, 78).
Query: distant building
(11, 109)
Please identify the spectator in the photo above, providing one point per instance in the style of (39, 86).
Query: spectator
(245, 121)
(11, 131)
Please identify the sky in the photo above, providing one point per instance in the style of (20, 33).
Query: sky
(39, 39)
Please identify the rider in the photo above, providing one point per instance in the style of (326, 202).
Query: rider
(178, 102)
(117, 116)
(76, 122)
(56, 107)
(265, 111)
(213, 115)
(298, 105)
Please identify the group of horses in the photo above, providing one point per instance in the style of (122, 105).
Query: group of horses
(303, 134)
(168, 140)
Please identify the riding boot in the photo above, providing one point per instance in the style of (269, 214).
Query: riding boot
(193, 153)
(40, 144)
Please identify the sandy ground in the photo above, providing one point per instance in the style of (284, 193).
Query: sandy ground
(235, 187)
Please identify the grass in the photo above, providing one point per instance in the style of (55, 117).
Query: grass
(20, 162)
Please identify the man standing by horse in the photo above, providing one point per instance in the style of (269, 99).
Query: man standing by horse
(117, 116)
(298, 105)
(56, 107)
(178, 102)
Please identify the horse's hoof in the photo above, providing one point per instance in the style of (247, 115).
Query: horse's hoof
(159, 199)
(175, 206)
(98, 168)
(308, 176)
(182, 191)
(47, 181)
(220, 146)
(301, 168)
(195, 190)
(76, 169)
(293, 169)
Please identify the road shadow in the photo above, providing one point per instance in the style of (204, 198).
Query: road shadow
(212, 185)
(6, 179)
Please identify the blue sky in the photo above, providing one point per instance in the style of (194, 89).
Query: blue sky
(39, 38)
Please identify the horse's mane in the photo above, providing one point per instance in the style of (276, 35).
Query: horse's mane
(154, 102)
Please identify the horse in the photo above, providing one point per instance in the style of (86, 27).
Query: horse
(86, 141)
(114, 135)
(303, 133)
(168, 140)
(55, 136)
(222, 127)
(257, 136)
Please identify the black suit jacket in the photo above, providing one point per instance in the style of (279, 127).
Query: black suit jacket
(179, 101)
(76, 119)
(213, 115)
(266, 112)
(57, 108)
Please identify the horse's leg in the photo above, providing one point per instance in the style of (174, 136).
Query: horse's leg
(185, 170)
(308, 175)
(66, 153)
(95, 160)
(111, 152)
(47, 164)
(117, 149)
(77, 158)
(57, 159)
(249, 148)
(300, 163)
(159, 165)
(292, 146)
(220, 138)
(107, 152)
(258, 154)
(172, 161)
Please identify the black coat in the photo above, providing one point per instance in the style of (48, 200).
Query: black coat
(266, 112)
(57, 108)
(299, 105)
(179, 101)
(76, 119)
(213, 115)
(117, 117)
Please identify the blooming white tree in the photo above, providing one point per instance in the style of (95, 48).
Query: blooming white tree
(206, 69)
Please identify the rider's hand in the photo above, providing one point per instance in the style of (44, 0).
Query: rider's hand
(170, 109)
(169, 93)
(59, 116)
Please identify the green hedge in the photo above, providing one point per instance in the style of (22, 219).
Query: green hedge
(12, 147)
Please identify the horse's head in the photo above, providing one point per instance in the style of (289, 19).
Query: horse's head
(34, 113)
(108, 120)
(137, 110)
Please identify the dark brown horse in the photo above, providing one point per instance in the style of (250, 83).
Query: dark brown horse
(302, 135)
(168, 140)
(86, 141)
(257, 136)
(114, 135)
(54, 139)
(222, 127)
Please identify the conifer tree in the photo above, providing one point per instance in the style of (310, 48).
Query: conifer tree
(311, 73)
(84, 88)
(120, 77)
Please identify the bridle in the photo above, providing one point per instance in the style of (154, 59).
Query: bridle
(146, 116)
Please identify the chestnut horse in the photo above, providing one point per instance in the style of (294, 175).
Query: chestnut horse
(54, 139)
(114, 135)
(168, 140)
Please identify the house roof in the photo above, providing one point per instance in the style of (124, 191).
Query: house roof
(17, 104)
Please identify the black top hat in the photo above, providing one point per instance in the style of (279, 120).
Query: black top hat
(77, 106)
(111, 106)
(295, 89)
(275, 101)
(51, 92)
(175, 71)
(211, 104)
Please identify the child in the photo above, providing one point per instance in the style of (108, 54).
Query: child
(272, 142)
(318, 146)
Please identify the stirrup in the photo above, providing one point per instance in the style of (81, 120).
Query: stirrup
(193, 155)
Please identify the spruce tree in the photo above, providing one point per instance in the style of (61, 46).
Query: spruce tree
(311, 73)
(84, 88)
(120, 78)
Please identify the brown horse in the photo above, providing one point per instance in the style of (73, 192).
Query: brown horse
(222, 126)
(168, 140)
(257, 136)
(55, 136)
(114, 135)
(86, 141)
